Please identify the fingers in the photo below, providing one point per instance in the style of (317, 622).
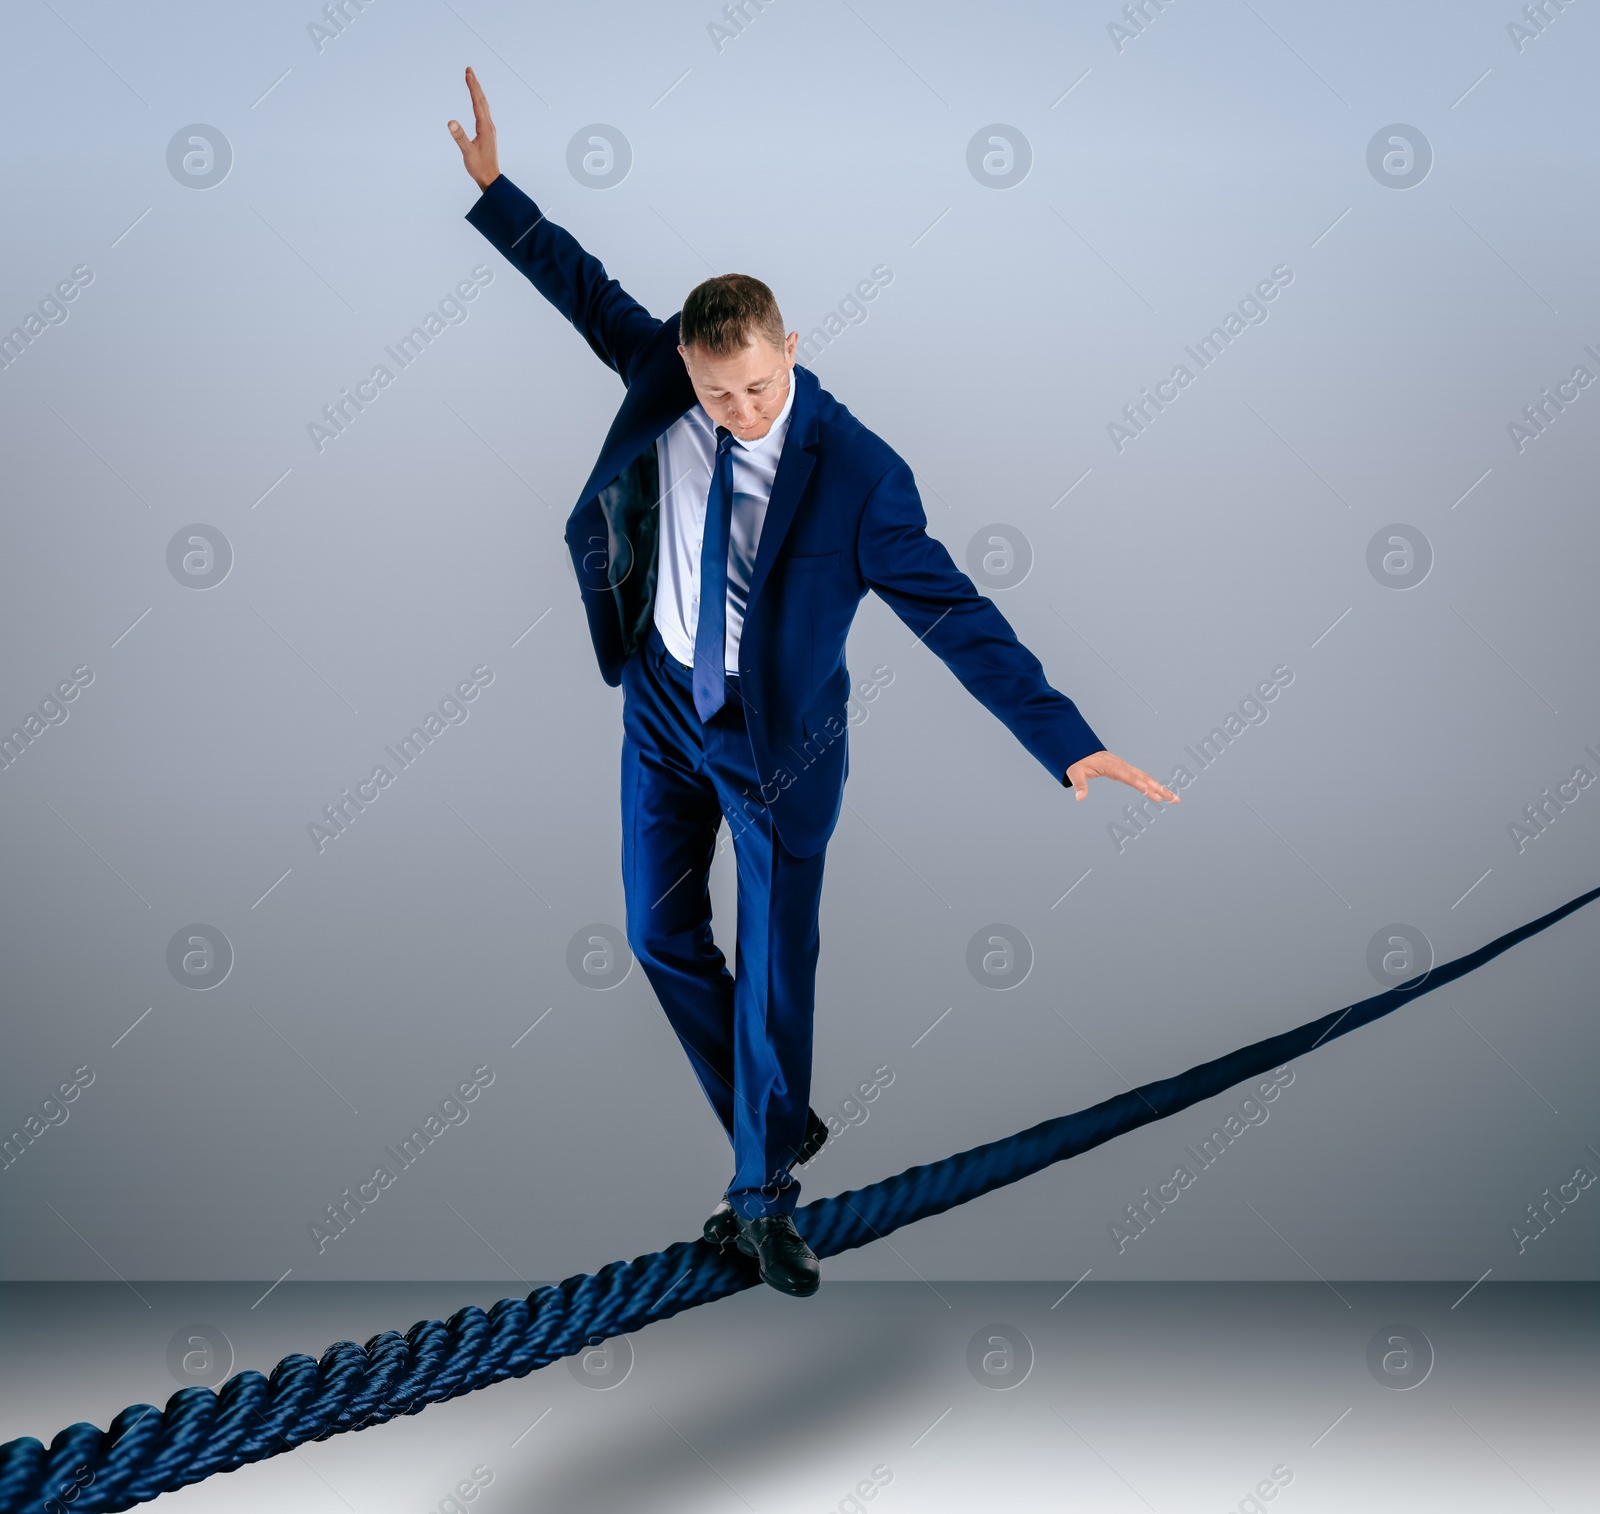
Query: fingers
(1105, 765)
(1137, 778)
(1148, 786)
(480, 105)
(1078, 777)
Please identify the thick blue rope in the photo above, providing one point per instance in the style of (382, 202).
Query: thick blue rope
(147, 1451)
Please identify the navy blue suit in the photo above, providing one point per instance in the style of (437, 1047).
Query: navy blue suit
(844, 517)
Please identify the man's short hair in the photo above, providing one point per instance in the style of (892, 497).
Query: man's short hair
(723, 314)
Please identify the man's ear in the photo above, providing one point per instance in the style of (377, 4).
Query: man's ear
(789, 343)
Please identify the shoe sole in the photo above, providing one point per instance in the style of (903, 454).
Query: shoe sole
(799, 1292)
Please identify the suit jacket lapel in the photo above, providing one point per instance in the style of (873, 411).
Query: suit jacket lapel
(653, 402)
(789, 482)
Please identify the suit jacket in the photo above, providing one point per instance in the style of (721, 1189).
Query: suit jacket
(844, 517)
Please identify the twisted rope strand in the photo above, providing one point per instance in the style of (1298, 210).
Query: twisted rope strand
(147, 1451)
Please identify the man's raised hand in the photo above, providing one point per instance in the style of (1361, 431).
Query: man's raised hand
(1104, 765)
(478, 152)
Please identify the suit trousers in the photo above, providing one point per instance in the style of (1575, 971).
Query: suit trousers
(748, 1034)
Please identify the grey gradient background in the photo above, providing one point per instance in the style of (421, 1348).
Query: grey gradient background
(1167, 580)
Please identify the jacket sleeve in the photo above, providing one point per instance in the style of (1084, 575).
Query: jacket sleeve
(914, 574)
(607, 317)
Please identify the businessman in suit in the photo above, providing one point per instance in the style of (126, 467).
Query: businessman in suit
(735, 518)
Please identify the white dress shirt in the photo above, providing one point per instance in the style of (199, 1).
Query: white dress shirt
(686, 451)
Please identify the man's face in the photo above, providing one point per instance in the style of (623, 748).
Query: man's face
(744, 390)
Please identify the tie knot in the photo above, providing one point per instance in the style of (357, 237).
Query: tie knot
(724, 440)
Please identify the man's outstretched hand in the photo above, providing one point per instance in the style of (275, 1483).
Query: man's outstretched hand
(1104, 765)
(478, 152)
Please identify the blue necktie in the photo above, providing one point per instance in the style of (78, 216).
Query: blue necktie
(710, 637)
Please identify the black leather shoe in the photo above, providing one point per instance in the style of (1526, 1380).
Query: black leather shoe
(787, 1263)
(722, 1226)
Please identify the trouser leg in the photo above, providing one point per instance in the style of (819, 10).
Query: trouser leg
(749, 1034)
(670, 817)
(774, 1002)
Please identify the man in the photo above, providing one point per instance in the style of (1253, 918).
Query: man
(734, 520)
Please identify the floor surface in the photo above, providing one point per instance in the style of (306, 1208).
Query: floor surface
(894, 1397)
